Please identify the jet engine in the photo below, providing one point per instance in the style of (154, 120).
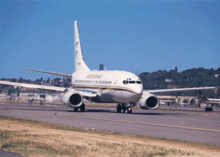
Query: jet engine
(149, 102)
(73, 99)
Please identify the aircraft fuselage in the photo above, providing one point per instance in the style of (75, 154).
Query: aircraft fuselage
(111, 86)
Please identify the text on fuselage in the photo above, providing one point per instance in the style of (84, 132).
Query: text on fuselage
(93, 76)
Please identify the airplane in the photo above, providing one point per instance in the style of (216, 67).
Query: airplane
(207, 101)
(108, 86)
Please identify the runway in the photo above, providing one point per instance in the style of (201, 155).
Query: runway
(185, 125)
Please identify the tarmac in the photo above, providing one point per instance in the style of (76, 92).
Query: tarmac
(188, 124)
(181, 123)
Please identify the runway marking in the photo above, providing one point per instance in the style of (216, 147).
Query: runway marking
(152, 124)
(123, 121)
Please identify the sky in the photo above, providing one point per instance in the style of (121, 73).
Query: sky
(135, 36)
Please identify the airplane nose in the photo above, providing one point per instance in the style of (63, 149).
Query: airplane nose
(138, 93)
(139, 89)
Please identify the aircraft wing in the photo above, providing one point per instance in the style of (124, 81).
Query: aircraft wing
(65, 75)
(53, 88)
(159, 91)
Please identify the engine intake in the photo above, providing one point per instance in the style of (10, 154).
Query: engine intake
(149, 102)
(73, 99)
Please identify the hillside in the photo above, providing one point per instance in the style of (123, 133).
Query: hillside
(199, 77)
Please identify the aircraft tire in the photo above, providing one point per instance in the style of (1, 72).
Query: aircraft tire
(82, 107)
(127, 111)
(199, 103)
(209, 109)
(119, 108)
(123, 108)
(75, 109)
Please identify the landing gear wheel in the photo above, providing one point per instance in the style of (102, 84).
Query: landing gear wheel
(209, 109)
(119, 108)
(82, 107)
(199, 103)
(124, 108)
(128, 110)
(75, 109)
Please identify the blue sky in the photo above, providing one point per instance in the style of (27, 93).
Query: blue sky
(135, 36)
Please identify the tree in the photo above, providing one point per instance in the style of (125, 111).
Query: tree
(48, 80)
(176, 70)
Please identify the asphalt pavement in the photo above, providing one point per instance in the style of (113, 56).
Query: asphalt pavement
(187, 124)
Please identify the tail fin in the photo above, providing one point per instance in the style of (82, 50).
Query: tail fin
(202, 96)
(79, 62)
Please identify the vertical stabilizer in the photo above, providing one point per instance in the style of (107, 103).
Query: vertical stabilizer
(79, 62)
(202, 96)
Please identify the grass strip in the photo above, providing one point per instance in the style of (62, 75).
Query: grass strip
(24, 142)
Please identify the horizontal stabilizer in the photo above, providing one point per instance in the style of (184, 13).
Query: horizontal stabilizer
(64, 75)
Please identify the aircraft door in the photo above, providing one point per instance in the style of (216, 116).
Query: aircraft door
(118, 94)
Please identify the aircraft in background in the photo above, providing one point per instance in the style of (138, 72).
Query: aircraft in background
(121, 87)
(208, 101)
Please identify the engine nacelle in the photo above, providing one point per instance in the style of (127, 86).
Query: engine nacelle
(73, 99)
(149, 102)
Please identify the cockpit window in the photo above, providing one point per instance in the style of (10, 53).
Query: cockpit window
(133, 82)
(138, 82)
(125, 82)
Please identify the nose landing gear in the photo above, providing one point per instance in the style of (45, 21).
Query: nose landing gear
(126, 109)
(119, 108)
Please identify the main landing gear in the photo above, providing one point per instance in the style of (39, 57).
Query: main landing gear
(82, 108)
(126, 109)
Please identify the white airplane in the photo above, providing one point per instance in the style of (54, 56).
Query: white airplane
(121, 87)
(208, 101)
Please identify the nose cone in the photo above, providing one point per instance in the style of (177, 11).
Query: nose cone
(139, 89)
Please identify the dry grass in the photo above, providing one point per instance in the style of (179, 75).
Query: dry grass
(31, 138)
